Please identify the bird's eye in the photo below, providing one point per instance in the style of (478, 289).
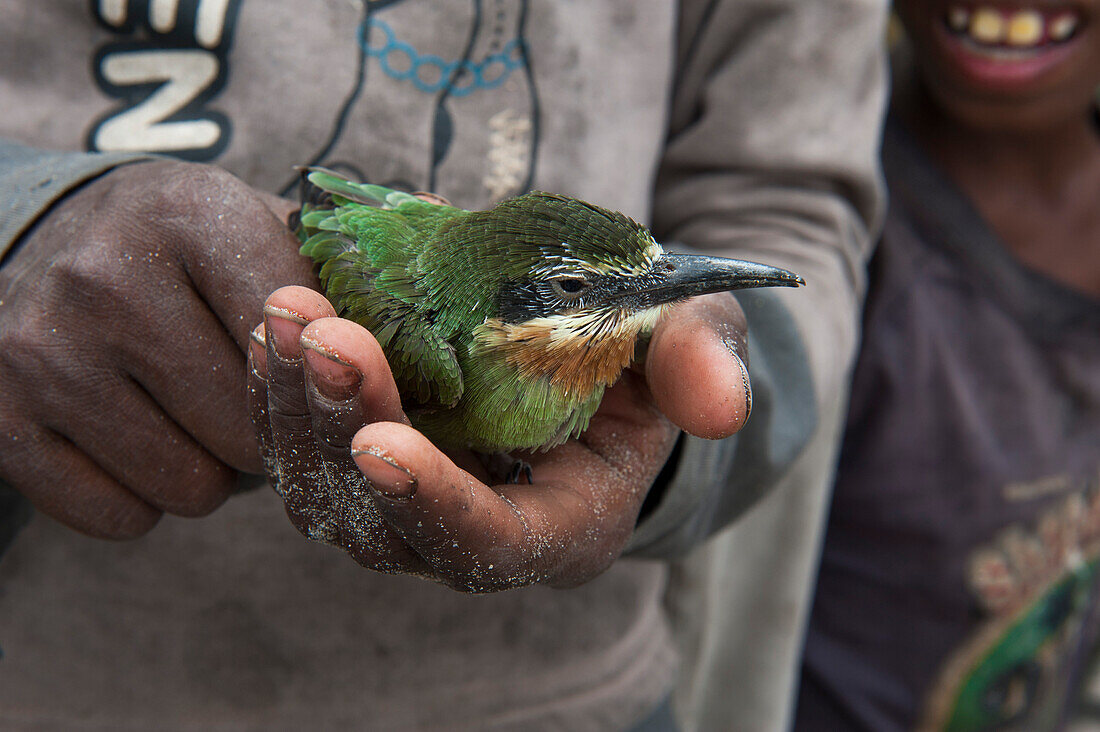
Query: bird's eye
(569, 288)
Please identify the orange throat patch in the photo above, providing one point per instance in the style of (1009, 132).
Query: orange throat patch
(577, 352)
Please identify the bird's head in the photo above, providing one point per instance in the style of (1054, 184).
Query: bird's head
(576, 284)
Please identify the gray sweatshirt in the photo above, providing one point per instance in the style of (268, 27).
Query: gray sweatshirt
(745, 129)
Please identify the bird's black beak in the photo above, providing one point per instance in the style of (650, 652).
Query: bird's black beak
(678, 276)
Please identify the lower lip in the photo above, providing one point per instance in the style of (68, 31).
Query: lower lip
(984, 70)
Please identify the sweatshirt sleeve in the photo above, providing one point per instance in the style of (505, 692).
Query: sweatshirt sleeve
(772, 156)
(32, 180)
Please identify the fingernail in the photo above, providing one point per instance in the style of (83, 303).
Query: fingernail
(283, 327)
(331, 376)
(256, 349)
(386, 477)
(748, 385)
(733, 339)
(435, 198)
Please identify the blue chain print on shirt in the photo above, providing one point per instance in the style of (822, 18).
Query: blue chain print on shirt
(430, 73)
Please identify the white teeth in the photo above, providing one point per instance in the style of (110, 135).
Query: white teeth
(1019, 29)
(958, 18)
(987, 26)
(1063, 27)
(1025, 28)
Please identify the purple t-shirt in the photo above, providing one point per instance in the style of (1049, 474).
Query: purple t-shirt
(958, 586)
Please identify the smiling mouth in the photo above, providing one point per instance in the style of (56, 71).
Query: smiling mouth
(1007, 33)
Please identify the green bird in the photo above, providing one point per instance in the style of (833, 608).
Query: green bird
(502, 327)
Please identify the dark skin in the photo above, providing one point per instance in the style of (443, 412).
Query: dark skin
(1027, 155)
(122, 344)
(439, 515)
(124, 329)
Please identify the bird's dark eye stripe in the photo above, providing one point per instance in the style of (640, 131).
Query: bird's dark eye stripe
(521, 300)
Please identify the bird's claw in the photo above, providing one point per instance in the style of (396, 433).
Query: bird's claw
(520, 468)
(503, 468)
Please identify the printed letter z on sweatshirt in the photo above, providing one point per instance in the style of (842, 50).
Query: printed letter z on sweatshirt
(174, 60)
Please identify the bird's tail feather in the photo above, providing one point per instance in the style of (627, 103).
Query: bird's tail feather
(321, 188)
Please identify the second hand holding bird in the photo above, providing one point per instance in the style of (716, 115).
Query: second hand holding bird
(397, 503)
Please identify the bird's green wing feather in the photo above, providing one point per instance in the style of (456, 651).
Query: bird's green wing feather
(362, 245)
(423, 363)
